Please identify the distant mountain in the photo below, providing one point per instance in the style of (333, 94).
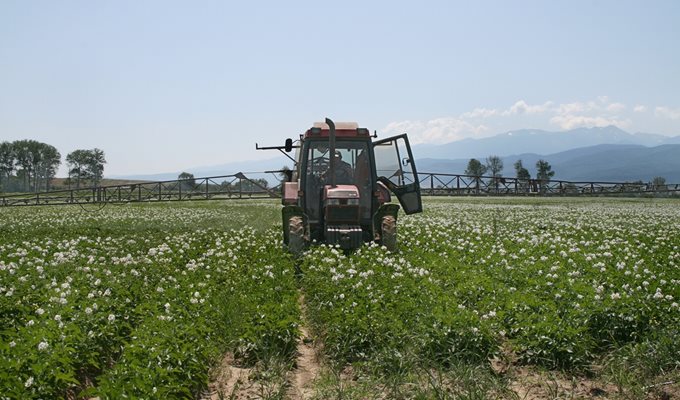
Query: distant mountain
(253, 166)
(538, 142)
(603, 154)
(605, 162)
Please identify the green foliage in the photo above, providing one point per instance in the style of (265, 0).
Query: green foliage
(494, 164)
(141, 308)
(141, 300)
(475, 168)
(86, 165)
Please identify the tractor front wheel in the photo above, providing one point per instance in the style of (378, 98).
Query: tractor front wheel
(296, 235)
(389, 232)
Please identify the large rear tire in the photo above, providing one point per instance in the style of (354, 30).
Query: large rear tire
(388, 237)
(296, 235)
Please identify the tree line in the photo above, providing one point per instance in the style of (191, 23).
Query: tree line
(30, 166)
(494, 167)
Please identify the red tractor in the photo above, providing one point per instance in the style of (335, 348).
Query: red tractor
(339, 191)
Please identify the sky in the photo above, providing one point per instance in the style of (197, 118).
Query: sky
(165, 86)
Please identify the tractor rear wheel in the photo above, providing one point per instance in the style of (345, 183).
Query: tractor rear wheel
(296, 235)
(388, 227)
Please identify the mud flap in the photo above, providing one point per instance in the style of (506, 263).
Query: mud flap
(385, 226)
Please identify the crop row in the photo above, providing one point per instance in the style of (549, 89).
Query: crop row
(138, 313)
(557, 285)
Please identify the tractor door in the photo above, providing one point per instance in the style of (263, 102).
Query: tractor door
(396, 168)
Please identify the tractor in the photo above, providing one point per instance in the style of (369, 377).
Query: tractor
(339, 191)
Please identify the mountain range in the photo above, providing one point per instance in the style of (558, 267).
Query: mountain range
(584, 154)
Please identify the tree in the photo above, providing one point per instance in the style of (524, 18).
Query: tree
(523, 175)
(95, 165)
(187, 180)
(659, 183)
(475, 169)
(77, 161)
(6, 163)
(494, 164)
(86, 165)
(47, 165)
(521, 172)
(544, 173)
(286, 174)
(23, 159)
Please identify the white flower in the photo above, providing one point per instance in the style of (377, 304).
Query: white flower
(40, 311)
(43, 345)
(12, 343)
(88, 310)
(29, 382)
(615, 296)
(112, 317)
(57, 317)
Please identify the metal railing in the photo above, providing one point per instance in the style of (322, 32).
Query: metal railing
(438, 184)
(239, 186)
(236, 186)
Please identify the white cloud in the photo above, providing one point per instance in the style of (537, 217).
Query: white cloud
(439, 130)
(569, 121)
(667, 112)
(521, 107)
(616, 107)
(577, 107)
(598, 112)
(480, 113)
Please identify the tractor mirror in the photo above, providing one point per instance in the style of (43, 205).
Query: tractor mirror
(289, 145)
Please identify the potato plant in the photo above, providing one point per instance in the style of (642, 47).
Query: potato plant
(141, 300)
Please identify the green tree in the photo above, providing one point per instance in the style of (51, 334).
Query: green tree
(86, 165)
(659, 183)
(522, 175)
(46, 166)
(285, 174)
(77, 162)
(95, 165)
(24, 159)
(521, 172)
(475, 169)
(187, 180)
(6, 164)
(494, 164)
(544, 173)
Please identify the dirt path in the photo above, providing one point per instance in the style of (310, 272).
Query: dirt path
(230, 382)
(307, 365)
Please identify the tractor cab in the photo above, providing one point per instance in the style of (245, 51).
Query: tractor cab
(340, 190)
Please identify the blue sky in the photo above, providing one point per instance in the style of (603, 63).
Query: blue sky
(165, 86)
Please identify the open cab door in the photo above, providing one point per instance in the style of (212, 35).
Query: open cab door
(396, 168)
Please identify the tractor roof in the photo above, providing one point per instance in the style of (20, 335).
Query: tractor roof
(342, 129)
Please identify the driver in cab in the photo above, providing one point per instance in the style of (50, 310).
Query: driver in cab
(343, 171)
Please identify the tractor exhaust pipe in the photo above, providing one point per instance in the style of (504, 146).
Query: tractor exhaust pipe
(331, 145)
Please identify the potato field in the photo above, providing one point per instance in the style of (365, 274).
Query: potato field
(486, 298)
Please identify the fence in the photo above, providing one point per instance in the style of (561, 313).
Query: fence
(438, 184)
(239, 186)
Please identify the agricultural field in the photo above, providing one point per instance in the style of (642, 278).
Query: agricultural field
(486, 298)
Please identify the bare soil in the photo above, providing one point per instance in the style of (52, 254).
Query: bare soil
(231, 382)
(307, 368)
